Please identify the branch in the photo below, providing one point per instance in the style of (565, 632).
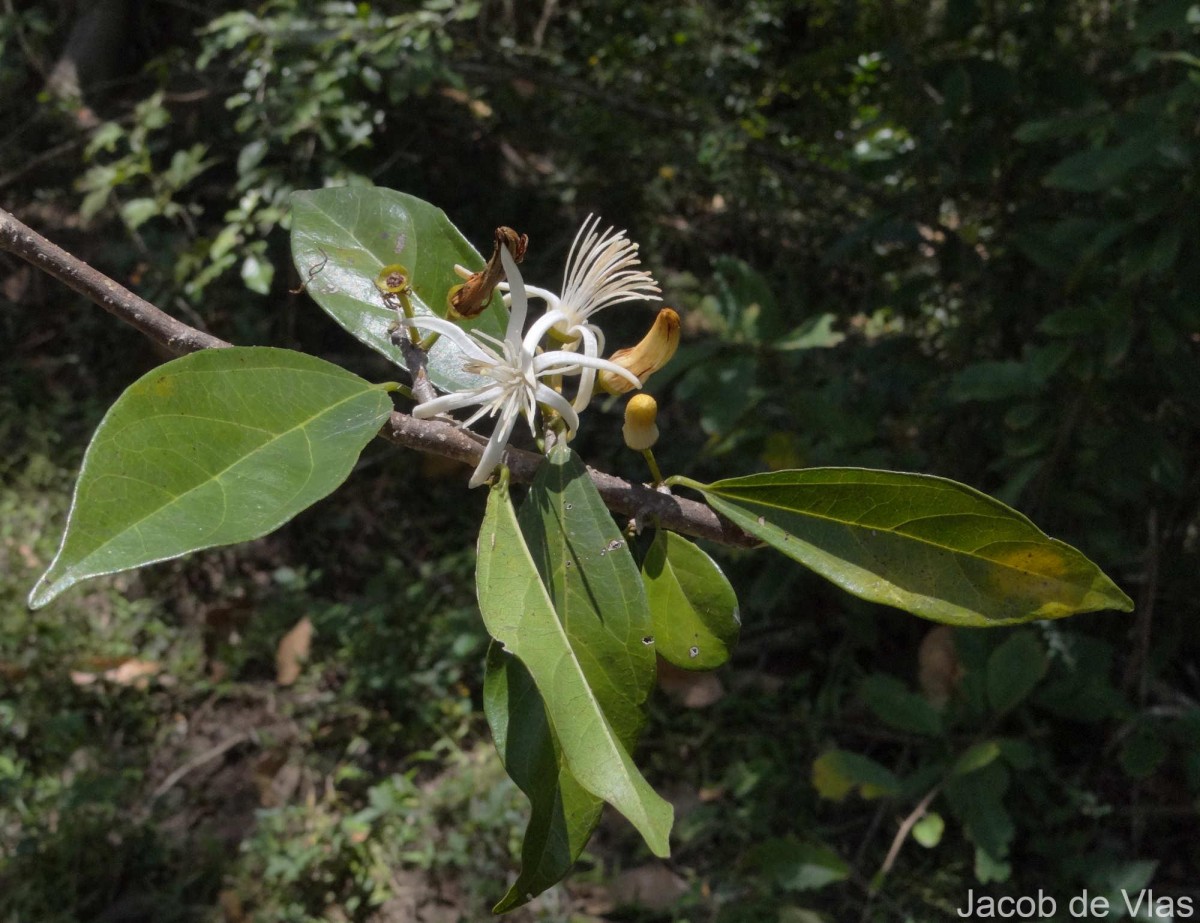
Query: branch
(117, 300)
(629, 499)
(433, 437)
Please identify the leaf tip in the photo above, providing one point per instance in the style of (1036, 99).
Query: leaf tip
(658, 836)
(45, 590)
(1122, 600)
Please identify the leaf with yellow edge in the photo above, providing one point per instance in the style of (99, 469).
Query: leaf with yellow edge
(836, 773)
(930, 546)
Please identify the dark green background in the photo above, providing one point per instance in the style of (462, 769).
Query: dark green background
(981, 216)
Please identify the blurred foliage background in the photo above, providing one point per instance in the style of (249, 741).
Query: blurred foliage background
(950, 237)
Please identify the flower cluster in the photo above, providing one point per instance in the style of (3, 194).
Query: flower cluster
(521, 374)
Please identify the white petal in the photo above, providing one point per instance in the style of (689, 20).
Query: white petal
(557, 363)
(539, 329)
(520, 301)
(454, 401)
(556, 401)
(532, 291)
(454, 333)
(587, 380)
(494, 451)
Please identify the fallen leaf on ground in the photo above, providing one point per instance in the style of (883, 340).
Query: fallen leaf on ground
(127, 672)
(293, 651)
(653, 886)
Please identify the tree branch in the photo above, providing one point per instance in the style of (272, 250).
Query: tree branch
(433, 437)
(117, 300)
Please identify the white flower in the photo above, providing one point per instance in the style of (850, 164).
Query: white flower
(600, 272)
(515, 367)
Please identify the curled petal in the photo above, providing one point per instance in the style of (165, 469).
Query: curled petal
(564, 363)
(557, 402)
(448, 402)
(587, 378)
(539, 328)
(454, 333)
(520, 301)
(494, 451)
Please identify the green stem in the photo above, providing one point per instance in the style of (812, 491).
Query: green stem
(406, 304)
(427, 343)
(678, 480)
(391, 386)
(648, 454)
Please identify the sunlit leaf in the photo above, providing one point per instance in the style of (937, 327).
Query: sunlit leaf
(217, 447)
(598, 597)
(692, 606)
(976, 757)
(924, 544)
(342, 239)
(592, 692)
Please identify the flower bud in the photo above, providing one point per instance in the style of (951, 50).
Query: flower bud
(650, 355)
(640, 430)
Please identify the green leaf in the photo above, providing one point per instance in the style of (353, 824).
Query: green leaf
(993, 381)
(978, 801)
(898, 707)
(818, 332)
(977, 757)
(989, 869)
(342, 238)
(1119, 880)
(929, 829)
(1014, 669)
(796, 866)
(1100, 169)
(595, 595)
(217, 447)
(592, 694)
(563, 813)
(257, 273)
(594, 585)
(836, 773)
(137, 212)
(692, 606)
(924, 544)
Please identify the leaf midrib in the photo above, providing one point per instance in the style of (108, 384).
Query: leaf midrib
(915, 539)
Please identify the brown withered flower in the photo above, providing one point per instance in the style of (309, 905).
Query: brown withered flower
(471, 297)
